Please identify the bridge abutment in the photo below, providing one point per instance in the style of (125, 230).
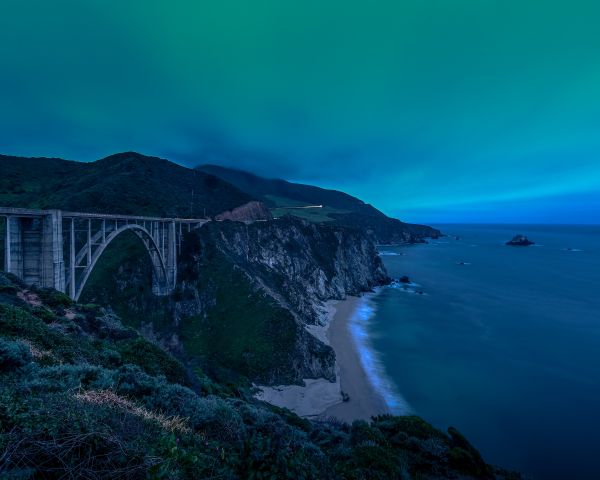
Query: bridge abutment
(33, 249)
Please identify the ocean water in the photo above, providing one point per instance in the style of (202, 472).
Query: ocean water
(501, 342)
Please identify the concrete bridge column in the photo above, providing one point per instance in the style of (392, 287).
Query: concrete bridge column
(171, 255)
(13, 257)
(34, 249)
(53, 264)
(72, 259)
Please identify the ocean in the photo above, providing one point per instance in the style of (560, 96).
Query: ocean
(500, 342)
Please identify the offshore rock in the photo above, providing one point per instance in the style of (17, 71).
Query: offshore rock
(520, 241)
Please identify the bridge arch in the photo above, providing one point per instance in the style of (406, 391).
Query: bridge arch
(160, 272)
(59, 249)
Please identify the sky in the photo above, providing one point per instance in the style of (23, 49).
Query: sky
(432, 110)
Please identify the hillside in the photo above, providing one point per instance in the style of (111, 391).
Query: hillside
(82, 396)
(285, 197)
(125, 183)
(245, 296)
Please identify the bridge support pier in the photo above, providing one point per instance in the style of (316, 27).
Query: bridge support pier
(34, 249)
(13, 256)
(167, 242)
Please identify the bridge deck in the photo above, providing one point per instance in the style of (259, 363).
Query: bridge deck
(28, 212)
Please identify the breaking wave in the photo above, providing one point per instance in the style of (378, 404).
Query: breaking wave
(370, 359)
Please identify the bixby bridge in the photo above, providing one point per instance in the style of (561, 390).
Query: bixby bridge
(59, 249)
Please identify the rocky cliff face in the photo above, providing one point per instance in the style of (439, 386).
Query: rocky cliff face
(250, 211)
(264, 282)
(246, 293)
(302, 264)
(388, 230)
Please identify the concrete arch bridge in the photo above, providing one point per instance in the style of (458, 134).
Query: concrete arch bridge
(59, 249)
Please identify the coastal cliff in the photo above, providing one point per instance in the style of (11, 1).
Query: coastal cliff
(246, 293)
(300, 263)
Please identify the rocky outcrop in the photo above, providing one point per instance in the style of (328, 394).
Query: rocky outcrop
(251, 211)
(386, 230)
(302, 264)
(520, 241)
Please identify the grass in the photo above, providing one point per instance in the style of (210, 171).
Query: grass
(284, 206)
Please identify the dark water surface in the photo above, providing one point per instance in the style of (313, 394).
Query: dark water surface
(505, 347)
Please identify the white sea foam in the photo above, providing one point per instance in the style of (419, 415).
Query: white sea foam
(370, 360)
(411, 288)
(389, 254)
(572, 249)
(403, 285)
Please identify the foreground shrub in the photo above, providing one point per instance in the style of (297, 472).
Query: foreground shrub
(13, 355)
(152, 359)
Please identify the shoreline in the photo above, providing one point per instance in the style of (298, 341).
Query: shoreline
(364, 401)
(322, 399)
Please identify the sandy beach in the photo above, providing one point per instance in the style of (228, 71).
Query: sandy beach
(320, 398)
(364, 402)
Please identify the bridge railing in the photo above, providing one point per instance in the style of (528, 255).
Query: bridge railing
(59, 249)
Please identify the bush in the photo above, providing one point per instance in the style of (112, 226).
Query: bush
(131, 380)
(152, 359)
(67, 377)
(216, 417)
(16, 322)
(13, 355)
(410, 425)
(54, 298)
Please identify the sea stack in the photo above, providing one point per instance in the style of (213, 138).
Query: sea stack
(520, 241)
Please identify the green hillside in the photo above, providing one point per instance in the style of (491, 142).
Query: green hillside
(125, 183)
(321, 205)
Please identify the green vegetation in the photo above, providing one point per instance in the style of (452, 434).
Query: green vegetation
(122, 279)
(286, 206)
(224, 300)
(338, 207)
(82, 396)
(244, 331)
(126, 183)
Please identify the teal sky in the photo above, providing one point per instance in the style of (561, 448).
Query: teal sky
(433, 110)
